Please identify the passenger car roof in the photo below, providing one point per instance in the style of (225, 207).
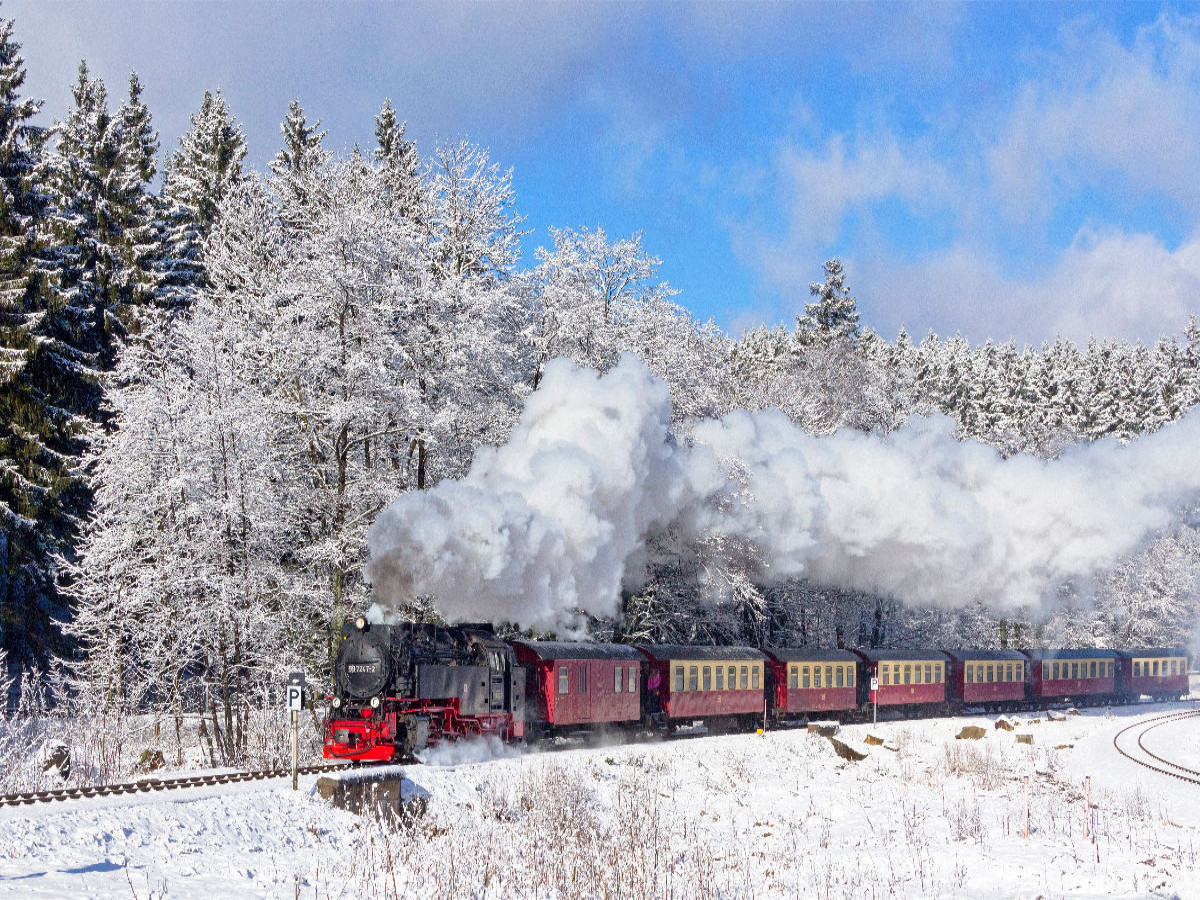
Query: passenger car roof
(684, 651)
(549, 650)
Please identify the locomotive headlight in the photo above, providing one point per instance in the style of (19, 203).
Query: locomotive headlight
(374, 703)
(337, 702)
(361, 623)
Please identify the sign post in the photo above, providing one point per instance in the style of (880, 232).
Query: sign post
(1087, 807)
(1026, 807)
(295, 703)
(875, 700)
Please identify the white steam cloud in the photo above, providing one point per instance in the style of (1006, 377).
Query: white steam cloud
(551, 521)
(556, 519)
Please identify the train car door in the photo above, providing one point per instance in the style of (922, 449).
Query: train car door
(584, 686)
(498, 687)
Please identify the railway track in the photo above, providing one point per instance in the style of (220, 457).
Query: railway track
(1159, 764)
(156, 785)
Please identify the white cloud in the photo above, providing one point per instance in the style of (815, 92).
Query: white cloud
(1101, 130)
(824, 187)
(1110, 284)
(1101, 112)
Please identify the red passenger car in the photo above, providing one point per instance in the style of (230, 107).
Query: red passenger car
(704, 683)
(906, 677)
(807, 680)
(575, 687)
(1077, 676)
(1154, 672)
(989, 678)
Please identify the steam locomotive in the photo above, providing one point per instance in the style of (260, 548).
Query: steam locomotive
(401, 688)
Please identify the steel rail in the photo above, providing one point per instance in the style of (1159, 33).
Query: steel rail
(151, 785)
(1183, 773)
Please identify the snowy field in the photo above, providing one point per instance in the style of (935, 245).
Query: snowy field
(775, 815)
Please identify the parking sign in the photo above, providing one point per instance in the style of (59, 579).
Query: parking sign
(295, 692)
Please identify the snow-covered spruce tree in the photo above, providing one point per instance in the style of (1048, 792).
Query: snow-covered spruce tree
(95, 260)
(292, 168)
(33, 520)
(141, 242)
(834, 313)
(198, 175)
(400, 166)
(100, 243)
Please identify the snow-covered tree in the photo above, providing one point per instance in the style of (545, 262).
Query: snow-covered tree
(300, 156)
(834, 313)
(199, 174)
(33, 520)
(399, 163)
(469, 211)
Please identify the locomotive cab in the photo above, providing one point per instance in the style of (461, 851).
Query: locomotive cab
(400, 688)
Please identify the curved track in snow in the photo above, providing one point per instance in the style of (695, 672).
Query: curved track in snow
(1134, 748)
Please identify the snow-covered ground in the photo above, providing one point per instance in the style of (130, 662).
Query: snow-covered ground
(775, 815)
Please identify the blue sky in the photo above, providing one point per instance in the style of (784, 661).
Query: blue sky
(1005, 171)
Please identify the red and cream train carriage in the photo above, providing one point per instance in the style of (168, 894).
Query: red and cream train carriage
(807, 680)
(991, 678)
(577, 687)
(1160, 673)
(906, 677)
(1080, 676)
(704, 683)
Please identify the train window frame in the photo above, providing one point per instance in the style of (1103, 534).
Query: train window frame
(679, 682)
(840, 675)
(970, 673)
(632, 684)
(885, 671)
(706, 677)
(581, 680)
(817, 682)
(719, 678)
(693, 678)
(851, 675)
(794, 678)
(937, 673)
(1008, 672)
(1137, 668)
(908, 674)
(618, 680)
(917, 674)
(564, 681)
(1154, 668)
(745, 679)
(929, 673)
(805, 678)
(755, 678)
(828, 677)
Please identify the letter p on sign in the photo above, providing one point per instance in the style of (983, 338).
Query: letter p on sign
(295, 692)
